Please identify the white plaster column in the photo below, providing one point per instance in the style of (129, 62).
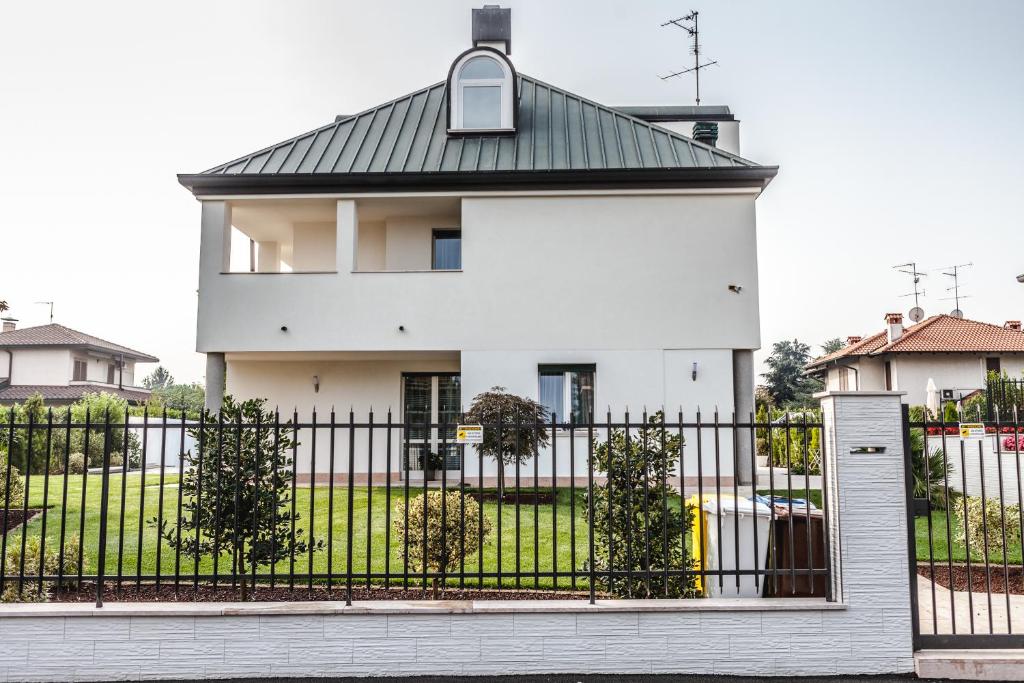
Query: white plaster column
(216, 379)
(214, 259)
(347, 226)
(743, 400)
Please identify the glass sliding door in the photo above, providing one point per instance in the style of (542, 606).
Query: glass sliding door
(428, 401)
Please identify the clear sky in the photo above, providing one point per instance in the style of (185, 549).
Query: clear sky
(897, 127)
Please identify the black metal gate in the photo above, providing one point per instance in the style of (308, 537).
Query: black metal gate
(964, 489)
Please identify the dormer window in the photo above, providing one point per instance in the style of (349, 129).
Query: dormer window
(481, 93)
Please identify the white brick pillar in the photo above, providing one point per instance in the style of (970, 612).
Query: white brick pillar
(867, 508)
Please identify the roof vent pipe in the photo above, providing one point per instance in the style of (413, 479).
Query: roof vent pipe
(492, 27)
(895, 322)
(706, 132)
(9, 324)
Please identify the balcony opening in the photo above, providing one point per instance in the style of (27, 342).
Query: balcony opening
(286, 236)
(408, 234)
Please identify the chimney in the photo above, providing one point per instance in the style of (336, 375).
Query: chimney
(706, 132)
(492, 27)
(9, 324)
(895, 322)
(1012, 325)
(850, 341)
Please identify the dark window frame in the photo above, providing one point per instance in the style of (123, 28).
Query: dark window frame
(564, 369)
(444, 233)
(991, 361)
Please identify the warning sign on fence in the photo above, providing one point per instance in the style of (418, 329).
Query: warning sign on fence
(469, 434)
(972, 430)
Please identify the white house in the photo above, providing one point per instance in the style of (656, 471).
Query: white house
(488, 229)
(62, 364)
(957, 354)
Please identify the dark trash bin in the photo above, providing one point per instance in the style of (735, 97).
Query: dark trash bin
(790, 551)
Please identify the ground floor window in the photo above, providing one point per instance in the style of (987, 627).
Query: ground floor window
(567, 391)
(431, 405)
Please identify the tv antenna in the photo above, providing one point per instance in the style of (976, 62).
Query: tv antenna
(916, 313)
(685, 24)
(954, 272)
(50, 303)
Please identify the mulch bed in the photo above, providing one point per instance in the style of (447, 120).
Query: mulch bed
(978, 583)
(16, 517)
(186, 593)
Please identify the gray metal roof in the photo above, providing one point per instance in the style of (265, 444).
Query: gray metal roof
(557, 131)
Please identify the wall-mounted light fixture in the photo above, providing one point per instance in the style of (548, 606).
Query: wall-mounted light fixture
(284, 328)
(316, 384)
(693, 375)
(735, 289)
(401, 328)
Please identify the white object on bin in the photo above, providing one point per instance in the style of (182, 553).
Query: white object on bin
(722, 518)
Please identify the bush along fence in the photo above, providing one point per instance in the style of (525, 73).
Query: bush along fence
(967, 489)
(268, 506)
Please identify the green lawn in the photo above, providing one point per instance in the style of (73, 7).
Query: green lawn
(554, 542)
(941, 548)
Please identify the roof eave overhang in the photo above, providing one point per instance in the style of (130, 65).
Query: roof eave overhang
(592, 179)
(136, 356)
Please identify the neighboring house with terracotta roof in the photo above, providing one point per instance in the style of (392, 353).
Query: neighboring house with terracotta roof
(956, 353)
(62, 364)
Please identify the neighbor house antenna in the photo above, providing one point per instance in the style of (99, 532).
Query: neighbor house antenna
(916, 313)
(694, 32)
(954, 272)
(51, 308)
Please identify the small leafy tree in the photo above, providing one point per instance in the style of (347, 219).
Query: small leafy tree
(832, 345)
(98, 406)
(26, 458)
(785, 379)
(522, 422)
(652, 521)
(245, 481)
(158, 379)
(448, 541)
(14, 493)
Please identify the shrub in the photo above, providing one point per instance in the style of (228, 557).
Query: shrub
(16, 489)
(116, 460)
(931, 473)
(448, 542)
(76, 463)
(985, 523)
(98, 407)
(619, 511)
(245, 507)
(30, 589)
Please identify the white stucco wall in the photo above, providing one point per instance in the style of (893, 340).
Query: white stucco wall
(40, 366)
(963, 373)
(314, 247)
(630, 272)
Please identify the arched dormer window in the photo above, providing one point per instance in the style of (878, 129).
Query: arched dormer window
(481, 93)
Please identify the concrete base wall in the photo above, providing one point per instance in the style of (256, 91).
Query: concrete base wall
(782, 638)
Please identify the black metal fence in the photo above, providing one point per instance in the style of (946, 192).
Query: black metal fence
(1003, 395)
(967, 570)
(271, 506)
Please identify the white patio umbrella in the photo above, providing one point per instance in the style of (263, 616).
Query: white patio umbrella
(932, 401)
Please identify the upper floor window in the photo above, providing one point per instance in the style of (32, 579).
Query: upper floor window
(447, 250)
(81, 370)
(481, 93)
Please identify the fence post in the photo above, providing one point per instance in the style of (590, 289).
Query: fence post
(101, 556)
(865, 477)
